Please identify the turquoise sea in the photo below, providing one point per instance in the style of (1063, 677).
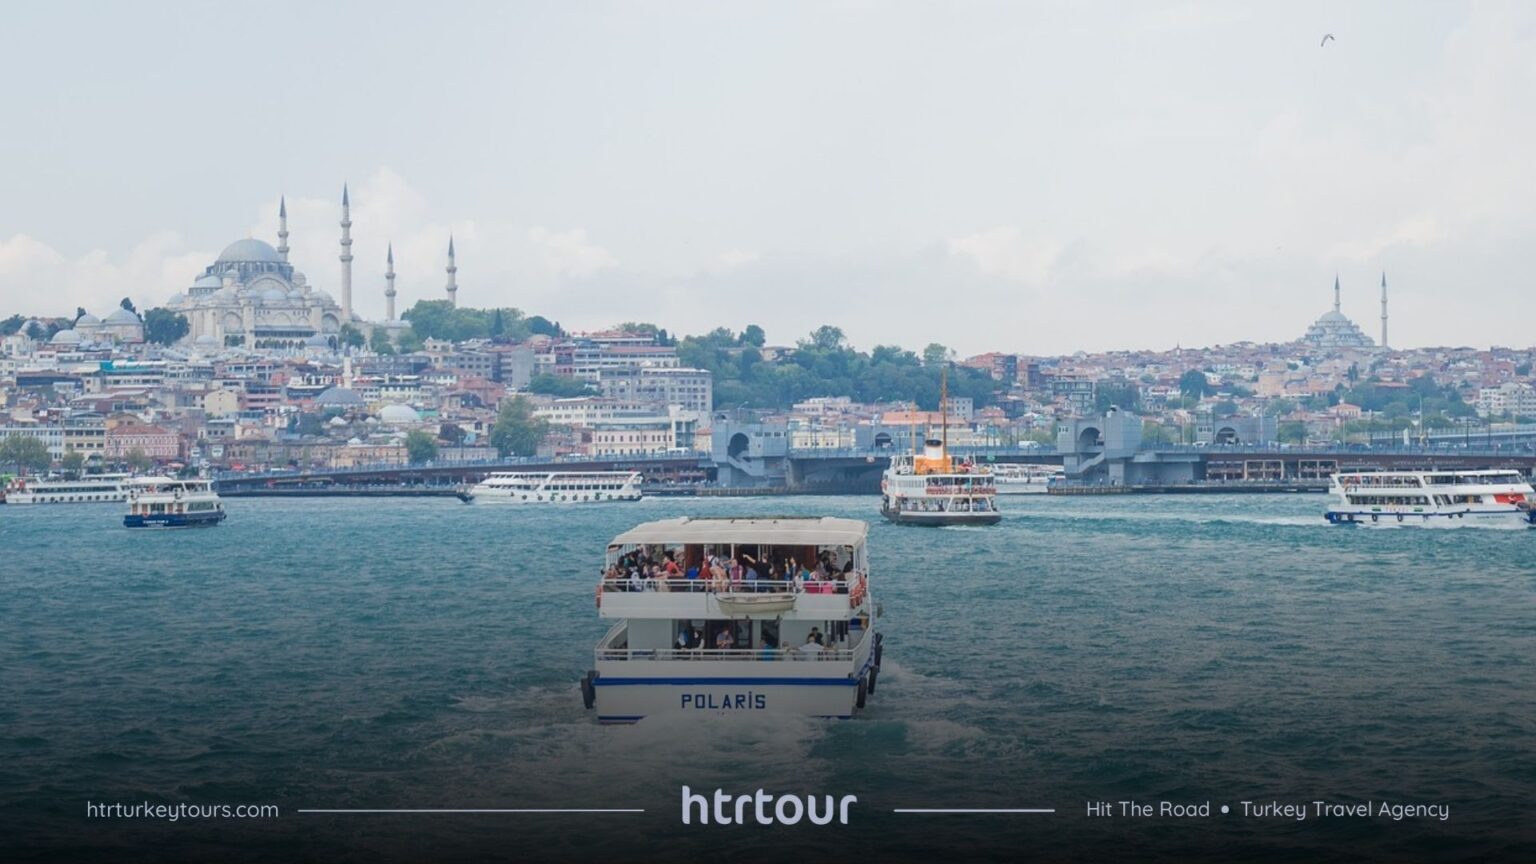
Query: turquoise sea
(349, 653)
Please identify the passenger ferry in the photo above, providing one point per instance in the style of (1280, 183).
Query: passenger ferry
(1026, 479)
(559, 487)
(1431, 497)
(935, 489)
(90, 489)
(164, 502)
(695, 633)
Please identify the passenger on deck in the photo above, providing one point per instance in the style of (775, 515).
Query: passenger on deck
(635, 583)
(724, 640)
(693, 579)
(811, 650)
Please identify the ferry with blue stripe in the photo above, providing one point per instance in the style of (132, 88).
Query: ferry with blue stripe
(735, 616)
(166, 502)
(1490, 497)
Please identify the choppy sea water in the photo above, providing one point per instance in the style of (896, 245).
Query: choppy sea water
(424, 654)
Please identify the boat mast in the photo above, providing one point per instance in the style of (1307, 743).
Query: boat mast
(944, 412)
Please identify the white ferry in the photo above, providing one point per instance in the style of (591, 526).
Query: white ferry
(90, 489)
(1431, 497)
(164, 502)
(694, 632)
(559, 487)
(935, 489)
(1023, 479)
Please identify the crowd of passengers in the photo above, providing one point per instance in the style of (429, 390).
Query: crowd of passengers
(637, 571)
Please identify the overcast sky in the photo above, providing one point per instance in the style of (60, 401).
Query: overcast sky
(1037, 178)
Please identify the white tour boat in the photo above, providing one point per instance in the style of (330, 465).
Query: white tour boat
(1431, 497)
(165, 502)
(557, 487)
(89, 489)
(1026, 479)
(935, 489)
(694, 633)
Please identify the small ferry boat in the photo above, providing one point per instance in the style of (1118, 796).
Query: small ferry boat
(165, 502)
(935, 489)
(735, 616)
(557, 487)
(90, 489)
(1431, 497)
(1026, 479)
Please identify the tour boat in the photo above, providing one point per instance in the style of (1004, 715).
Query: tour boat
(1431, 497)
(931, 488)
(165, 502)
(1026, 479)
(90, 489)
(693, 633)
(559, 487)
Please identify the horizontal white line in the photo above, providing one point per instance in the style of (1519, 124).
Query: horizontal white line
(483, 810)
(974, 810)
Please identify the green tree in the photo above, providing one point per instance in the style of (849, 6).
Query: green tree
(72, 462)
(351, 336)
(517, 431)
(128, 304)
(753, 336)
(25, 452)
(138, 461)
(825, 338)
(498, 326)
(420, 446)
(935, 354)
(541, 326)
(452, 433)
(1292, 432)
(379, 342)
(558, 385)
(11, 325)
(1194, 383)
(163, 327)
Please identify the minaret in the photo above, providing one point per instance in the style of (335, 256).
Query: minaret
(1335, 292)
(1384, 310)
(282, 228)
(346, 257)
(453, 281)
(389, 281)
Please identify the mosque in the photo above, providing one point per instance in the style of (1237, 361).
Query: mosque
(1334, 330)
(252, 297)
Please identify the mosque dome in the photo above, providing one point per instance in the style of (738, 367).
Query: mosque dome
(208, 280)
(65, 337)
(399, 414)
(339, 397)
(247, 250)
(122, 316)
(87, 318)
(274, 294)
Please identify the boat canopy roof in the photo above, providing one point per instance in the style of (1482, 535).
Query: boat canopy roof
(782, 531)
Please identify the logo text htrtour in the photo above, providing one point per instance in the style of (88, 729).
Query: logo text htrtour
(765, 807)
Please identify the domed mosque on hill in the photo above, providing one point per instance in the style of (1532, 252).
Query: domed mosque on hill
(1334, 330)
(252, 297)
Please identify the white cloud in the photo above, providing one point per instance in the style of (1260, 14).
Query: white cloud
(569, 253)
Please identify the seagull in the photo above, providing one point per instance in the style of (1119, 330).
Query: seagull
(1326, 37)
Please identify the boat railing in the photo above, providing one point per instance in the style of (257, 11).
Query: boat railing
(759, 655)
(855, 587)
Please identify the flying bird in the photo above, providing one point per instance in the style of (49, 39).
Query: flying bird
(1326, 37)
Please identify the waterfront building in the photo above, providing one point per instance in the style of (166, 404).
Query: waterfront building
(1334, 330)
(158, 443)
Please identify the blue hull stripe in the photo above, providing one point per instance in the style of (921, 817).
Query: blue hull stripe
(641, 682)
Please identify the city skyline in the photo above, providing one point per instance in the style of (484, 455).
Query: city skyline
(1200, 211)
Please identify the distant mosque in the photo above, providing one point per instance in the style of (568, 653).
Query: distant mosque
(1334, 330)
(251, 297)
